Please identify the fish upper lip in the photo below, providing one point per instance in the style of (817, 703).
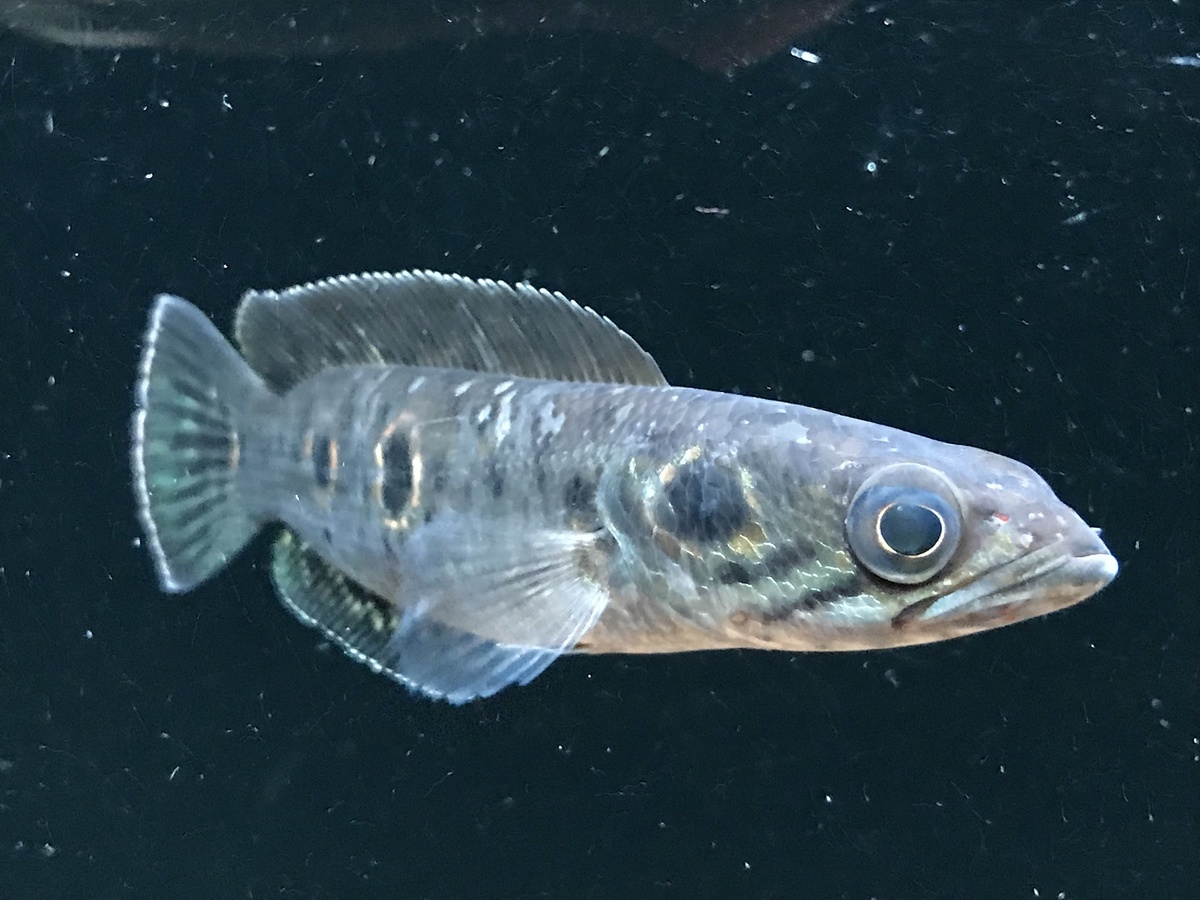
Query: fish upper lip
(1049, 578)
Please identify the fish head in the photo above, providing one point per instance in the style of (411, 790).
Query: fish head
(905, 540)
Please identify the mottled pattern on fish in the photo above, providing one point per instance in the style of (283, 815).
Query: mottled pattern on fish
(476, 479)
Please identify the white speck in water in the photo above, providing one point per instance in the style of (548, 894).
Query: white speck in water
(805, 56)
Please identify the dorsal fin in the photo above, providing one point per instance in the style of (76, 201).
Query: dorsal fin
(422, 318)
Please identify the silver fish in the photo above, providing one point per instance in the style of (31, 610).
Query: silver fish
(475, 478)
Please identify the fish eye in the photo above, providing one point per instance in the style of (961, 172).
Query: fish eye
(904, 523)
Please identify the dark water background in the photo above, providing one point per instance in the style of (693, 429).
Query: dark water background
(1021, 271)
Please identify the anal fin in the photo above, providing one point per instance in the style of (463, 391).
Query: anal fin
(359, 621)
(425, 655)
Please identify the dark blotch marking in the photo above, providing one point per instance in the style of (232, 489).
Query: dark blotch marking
(579, 496)
(322, 459)
(788, 558)
(777, 564)
(327, 534)
(397, 475)
(493, 477)
(579, 500)
(734, 573)
(441, 477)
(704, 502)
(815, 600)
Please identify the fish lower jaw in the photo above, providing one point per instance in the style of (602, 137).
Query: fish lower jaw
(999, 599)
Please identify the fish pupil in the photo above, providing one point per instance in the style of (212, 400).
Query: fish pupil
(910, 529)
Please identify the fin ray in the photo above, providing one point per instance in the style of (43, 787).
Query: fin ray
(422, 318)
(520, 587)
(423, 654)
(185, 444)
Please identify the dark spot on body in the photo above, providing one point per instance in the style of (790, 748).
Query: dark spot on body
(441, 477)
(778, 564)
(788, 558)
(814, 600)
(493, 477)
(704, 501)
(327, 534)
(322, 460)
(540, 478)
(579, 495)
(397, 483)
(734, 573)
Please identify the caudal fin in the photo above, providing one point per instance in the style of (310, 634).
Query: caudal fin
(192, 391)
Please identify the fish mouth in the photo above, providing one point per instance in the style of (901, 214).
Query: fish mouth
(1050, 578)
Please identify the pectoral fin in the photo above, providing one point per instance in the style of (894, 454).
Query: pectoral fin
(518, 586)
(448, 664)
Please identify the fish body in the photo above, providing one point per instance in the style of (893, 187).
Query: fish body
(474, 479)
(715, 36)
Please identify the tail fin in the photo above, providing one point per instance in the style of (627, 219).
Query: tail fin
(191, 391)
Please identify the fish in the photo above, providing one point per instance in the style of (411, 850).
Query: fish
(469, 479)
(718, 37)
